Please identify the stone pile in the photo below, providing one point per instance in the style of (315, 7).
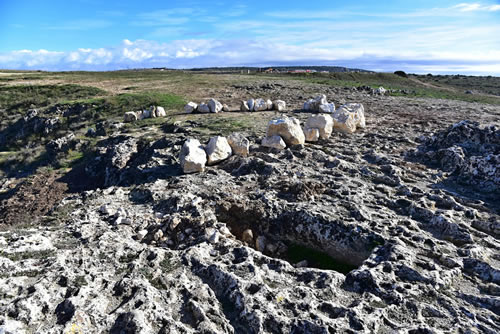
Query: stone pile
(211, 105)
(262, 105)
(319, 104)
(153, 112)
(194, 156)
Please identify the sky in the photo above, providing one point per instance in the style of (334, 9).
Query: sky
(449, 37)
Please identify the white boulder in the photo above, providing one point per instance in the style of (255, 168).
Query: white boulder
(288, 128)
(190, 107)
(203, 107)
(327, 108)
(313, 104)
(274, 142)
(358, 112)
(380, 91)
(324, 123)
(244, 106)
(260, 105)
(239, 144)
(269, 105)
(279, 105)
(193, 157)
(251, 103)
(217, 149)
(214, 105)
(312, 134)
(160, 112)
(130, 116)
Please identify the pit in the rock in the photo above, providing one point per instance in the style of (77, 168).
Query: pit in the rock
(331, 246)
(298, 254)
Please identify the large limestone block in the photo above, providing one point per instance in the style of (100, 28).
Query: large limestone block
(130, 116)
(239, 144)
(287, 128)
(193, 157)
(358, 112)
(260, 105)
(214, 105)
(279, 105)
(218, 149)
(190, 107)
(344, 121)
(274, 142)
(324, 123)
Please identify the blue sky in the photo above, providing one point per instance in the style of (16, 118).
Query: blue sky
(415, 36)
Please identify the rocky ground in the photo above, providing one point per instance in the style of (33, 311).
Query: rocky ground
(392, 229)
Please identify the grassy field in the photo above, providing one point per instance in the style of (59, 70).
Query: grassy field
(104, 96)
(448, 87)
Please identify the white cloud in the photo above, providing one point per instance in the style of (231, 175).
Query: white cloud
(473, 7)
(204, 53)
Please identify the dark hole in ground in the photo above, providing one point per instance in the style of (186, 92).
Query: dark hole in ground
(296, 253)
(276, 239)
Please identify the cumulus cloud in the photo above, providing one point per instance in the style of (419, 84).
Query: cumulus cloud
(471, 7)
(207, 53)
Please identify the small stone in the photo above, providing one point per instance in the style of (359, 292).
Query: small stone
(130, 116)
(158, 234)
(260, 243)
(260, 105)
(214, 237)
(244, 106)
(204, 108)
(160, 112)
(190, 107)
(279, 105)
(141, 234)
(214, 106)
(225, 108)
(247, 236)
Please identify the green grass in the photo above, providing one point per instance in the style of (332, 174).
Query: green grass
(316, 259)
(21, 97)
(413, 84)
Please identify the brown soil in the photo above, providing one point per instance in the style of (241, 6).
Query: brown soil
(31, 199)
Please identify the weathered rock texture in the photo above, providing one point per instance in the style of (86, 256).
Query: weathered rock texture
(287, 128)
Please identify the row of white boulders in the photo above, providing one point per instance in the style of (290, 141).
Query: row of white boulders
(153, 112)
(211, 105)
(319, 104)
(194, 156)
(262, 105)
(283, 132)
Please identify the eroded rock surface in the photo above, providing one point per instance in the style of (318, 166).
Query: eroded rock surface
(235, 249)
